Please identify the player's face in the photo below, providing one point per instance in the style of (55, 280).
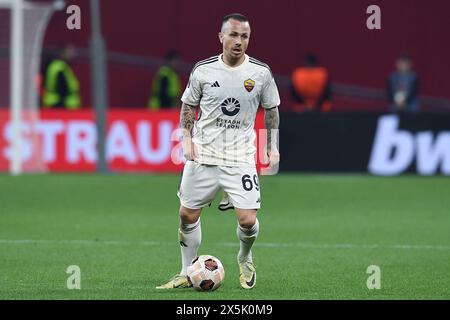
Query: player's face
(235, 36)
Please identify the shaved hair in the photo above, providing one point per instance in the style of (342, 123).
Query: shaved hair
(234, 16)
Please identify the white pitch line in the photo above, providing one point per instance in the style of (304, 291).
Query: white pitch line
(234, 244)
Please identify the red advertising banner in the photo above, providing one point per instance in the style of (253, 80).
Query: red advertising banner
(65, 141)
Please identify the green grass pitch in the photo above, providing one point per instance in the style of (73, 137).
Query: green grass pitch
(318, 235)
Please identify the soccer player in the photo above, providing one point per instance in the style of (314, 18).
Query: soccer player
(219, 145)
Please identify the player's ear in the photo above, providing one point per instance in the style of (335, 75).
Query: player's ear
(221, 37)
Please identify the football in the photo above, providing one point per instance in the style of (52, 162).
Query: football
(206, 273)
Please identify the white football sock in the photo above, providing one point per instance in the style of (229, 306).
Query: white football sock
(190, 236)
(247, 237)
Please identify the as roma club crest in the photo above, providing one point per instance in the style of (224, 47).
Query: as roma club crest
(249, 85)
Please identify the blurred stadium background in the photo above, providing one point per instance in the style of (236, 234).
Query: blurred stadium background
(343, 213)
(359, 60)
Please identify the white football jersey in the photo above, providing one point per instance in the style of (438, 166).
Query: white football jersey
(229, 98)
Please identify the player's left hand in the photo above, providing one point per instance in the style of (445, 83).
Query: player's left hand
(274, 157)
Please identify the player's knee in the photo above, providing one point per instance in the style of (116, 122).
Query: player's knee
(189, 215)
(247, 221)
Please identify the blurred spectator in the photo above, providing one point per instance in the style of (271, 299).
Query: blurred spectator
(166, 87)
(402, 86)
(311, 87)
(60, 85)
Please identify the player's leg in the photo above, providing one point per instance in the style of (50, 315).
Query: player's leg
(247, 232)
(198, 187)
(189, 236)
(242, 186)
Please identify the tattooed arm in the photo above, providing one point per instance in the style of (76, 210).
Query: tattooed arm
(271, 123)
(187, 119)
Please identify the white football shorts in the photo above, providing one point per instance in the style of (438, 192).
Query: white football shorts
(200, 183)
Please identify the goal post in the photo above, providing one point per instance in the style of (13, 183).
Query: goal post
(23, 24)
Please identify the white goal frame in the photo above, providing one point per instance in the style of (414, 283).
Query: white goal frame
(16, 70)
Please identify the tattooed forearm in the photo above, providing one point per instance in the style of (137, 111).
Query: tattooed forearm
(271, 123)
(187, 119)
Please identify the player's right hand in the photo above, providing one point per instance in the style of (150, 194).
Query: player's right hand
(189, 149)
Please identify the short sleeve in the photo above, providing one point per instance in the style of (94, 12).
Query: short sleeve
(193, 92)
(270, 97)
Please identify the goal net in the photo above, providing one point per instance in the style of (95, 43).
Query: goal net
(22, 28)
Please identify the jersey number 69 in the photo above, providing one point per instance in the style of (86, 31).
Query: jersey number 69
(247, 182)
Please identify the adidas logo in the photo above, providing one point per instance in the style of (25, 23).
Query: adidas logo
(215, 84)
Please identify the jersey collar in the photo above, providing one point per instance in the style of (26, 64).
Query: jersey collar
(223, 64)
